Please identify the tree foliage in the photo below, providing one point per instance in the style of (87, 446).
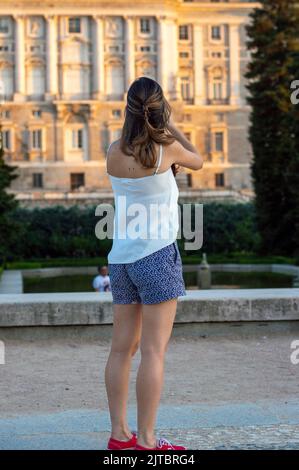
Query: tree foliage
(8, 226)
(274, 123)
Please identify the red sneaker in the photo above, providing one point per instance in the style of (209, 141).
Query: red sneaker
(115, 444)
(162, 444)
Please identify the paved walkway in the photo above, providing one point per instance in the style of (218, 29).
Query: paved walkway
(264, 425)
(229, 388)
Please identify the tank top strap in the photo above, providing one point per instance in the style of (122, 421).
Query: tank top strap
(160, 159)
(108, 150)
(106, 156)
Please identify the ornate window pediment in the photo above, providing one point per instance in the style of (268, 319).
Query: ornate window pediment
(5, 64)
(75, 118)
(115, 62)
(146, 68)
(35, 62)
(216, 72)
(74, 39)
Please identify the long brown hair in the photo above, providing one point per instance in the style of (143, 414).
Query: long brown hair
(147, 116)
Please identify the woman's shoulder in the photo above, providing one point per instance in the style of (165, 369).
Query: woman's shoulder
(169, 150)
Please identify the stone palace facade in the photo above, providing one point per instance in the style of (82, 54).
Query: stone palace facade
(65, 68)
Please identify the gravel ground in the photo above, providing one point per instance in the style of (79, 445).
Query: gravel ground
(63, 374)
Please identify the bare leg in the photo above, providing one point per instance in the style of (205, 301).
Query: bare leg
(157, 323)
(125, 341)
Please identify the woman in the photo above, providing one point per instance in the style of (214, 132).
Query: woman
(145, 271)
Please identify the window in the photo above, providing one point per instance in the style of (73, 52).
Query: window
(189, 180)
(77, 181)
(217, 90)
(35, 48)
(184, 55)
(36, 113)
(75, 25)
(113, 48)
(185, 88)
(76, 142)
(219, 179)
(37, 180)
(183, 31)
(217, 84)
(218, 136)
(144, 25)
(35, 78)
(216, 55)
(217, 87)
(5, 114)
(4, 26)
(115, 80)
(216, 33)
(77, 138)
(75, 81)
(6, 81)
(36, 139)
(6, 140)
(116, 113)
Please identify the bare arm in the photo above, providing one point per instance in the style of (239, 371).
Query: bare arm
(185, 154)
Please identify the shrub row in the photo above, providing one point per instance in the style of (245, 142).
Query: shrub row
(70, 232)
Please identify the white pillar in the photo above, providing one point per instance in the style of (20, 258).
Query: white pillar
(234, 61)
(163, 53)
(98, 88)
(174, 89)
(19, 58)
(199, 94)
(129, 51)
(168, 65)
(52, 65)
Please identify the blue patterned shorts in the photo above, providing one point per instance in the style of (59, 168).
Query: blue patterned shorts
(150, 280)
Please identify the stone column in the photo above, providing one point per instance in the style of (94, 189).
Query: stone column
(199, 94)
(93, 133)
(129, 51)
(163, 53)
(19, 94)
(98, 88)
(174, 89)
(52, 64)
(167, 50)
(59, 126)
(234, 61)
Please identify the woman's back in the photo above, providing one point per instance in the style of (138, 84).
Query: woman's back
(154, 198)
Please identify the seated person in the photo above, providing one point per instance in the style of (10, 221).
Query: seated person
(101, 282)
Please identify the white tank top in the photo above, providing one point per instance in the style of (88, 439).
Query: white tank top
(146, 216)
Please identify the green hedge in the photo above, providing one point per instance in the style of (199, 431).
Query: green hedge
(57, 232)
(70, 232)
(227, 228)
